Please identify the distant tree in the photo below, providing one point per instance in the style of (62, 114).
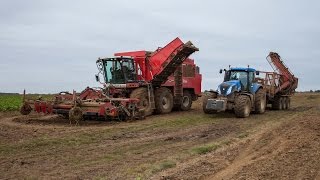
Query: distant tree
(311, 91)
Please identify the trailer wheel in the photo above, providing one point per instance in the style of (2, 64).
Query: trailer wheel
(186, 101)
(144, 105)
(242, 106)
(75, 115)
(288, 102)
(205, 98)
(276, 105)
(282, 103)
(260, 102)
(163, 100)
(25, 109)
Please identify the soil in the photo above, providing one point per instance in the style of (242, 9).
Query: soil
(274, 145)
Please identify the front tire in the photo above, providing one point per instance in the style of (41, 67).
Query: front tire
(163, 100)
(260, 102)
(242, 106)
(144, 104)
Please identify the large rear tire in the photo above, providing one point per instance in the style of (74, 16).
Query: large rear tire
(144, 105)
(163, 100)
(242, 106)
(186, 101)
(260, 101)
(205, 98)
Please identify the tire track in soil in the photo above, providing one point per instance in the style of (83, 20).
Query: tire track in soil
(288, 149)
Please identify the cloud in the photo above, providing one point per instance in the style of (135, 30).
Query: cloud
(50, 46)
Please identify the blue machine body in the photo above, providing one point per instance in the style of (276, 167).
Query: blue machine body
(228, 87)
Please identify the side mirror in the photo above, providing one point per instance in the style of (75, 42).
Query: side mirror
(220, 71)
(257, 73)
(97, 78)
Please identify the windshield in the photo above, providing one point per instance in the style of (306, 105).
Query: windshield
(237, 75)
(119, 70)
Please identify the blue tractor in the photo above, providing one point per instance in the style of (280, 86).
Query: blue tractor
(240, 92)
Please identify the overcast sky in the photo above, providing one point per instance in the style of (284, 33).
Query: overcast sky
(50, 46)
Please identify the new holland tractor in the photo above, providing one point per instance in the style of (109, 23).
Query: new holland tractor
(244, 90)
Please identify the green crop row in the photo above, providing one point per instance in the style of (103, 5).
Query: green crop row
(13, 102)
(10, 102)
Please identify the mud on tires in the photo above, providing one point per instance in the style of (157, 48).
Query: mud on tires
(163, 100)
(206, 96)
(144, 104)
(186, 101)
(25, 109)
(242, 106)
(75, 115)
(260, 102)
(276, 105)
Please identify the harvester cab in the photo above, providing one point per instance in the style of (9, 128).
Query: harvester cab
(118, 70)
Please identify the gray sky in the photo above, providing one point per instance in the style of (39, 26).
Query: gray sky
(50, 46)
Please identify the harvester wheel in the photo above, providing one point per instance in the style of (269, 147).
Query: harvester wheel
(276, 105)
(205, 98)
(163, 100)
(242, 106)
(186, 101)
(25, 109)
(260, 102)
(75, 115)
(144, 105)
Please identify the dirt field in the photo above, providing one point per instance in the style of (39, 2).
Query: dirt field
(181, 145)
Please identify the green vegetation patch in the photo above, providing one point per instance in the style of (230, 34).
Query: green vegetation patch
(10, 102)
(164, 165)
(205, 148)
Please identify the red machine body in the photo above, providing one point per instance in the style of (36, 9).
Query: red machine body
(150, 64)
(158, 81)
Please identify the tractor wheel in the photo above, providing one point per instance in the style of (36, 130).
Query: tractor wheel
(260, 102)
(186, 101)
(276, 105)
(163, 100)
(25, 109)
(205, 100)
(144, 105)
(242, 106)
(75, 115)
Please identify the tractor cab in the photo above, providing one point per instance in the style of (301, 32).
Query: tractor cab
(118, 70)
(239, 80)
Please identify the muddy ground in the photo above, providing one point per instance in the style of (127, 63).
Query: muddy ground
(180, 145)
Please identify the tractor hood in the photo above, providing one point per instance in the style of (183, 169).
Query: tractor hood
(229, 87)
